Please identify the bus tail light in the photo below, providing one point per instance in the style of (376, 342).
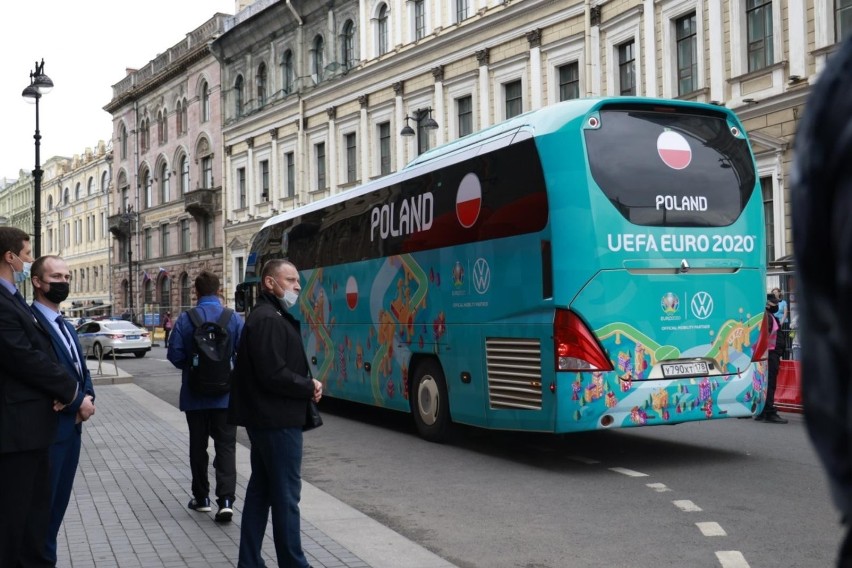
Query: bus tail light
(576, 348)
(762, 345)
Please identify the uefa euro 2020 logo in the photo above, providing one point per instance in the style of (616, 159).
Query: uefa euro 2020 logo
(670, 303)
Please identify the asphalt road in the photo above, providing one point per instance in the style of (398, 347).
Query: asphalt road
(731, 493)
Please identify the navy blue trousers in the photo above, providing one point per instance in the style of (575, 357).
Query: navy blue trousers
(275, 484)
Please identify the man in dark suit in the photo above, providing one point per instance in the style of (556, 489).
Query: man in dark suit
(270, 392)
(33, 388)
(51, 278)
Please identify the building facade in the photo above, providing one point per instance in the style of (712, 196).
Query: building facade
(75, 201)
(166, 208)
(316, 94)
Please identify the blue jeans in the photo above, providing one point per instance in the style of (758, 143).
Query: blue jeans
(275, 483)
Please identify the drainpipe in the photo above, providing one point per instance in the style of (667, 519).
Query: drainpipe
(587, 40)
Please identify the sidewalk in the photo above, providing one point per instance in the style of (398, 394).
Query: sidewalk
(129, 503)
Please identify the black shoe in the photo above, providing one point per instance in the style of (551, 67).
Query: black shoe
(200, 505)
(225, 512)
(775, 419)
(760, 417)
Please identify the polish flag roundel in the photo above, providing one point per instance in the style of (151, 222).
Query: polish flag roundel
(351, 293)
(674, 150)
(469, 200)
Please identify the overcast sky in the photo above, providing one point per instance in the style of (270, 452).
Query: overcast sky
(87, 47)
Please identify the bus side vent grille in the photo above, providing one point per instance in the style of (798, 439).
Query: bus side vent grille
(514, 372)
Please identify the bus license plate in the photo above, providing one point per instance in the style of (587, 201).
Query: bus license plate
(685, 369)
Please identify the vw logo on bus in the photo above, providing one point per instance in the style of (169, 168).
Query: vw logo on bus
(701, 305)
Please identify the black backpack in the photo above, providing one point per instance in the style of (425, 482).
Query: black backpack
(210, 354)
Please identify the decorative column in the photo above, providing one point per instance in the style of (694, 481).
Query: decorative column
(230, 201)
(364, 140)
(251, 190)
(650, 53)
(274, 192)
(332, 149)
(399, 120)
(534, 39)
(484, 107)
(438, 114)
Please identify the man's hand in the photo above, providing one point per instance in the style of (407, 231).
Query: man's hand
(87, 408)
(317, 390)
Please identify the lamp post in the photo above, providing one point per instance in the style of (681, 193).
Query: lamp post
(422, 117)
(129, 217)
(40, 84)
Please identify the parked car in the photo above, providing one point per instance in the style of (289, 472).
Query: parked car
(100, 338)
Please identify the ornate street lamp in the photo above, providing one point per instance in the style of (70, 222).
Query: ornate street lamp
(40, 84)
(424, 121)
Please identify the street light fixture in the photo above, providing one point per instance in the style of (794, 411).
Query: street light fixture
(40, 84)
(423, 118)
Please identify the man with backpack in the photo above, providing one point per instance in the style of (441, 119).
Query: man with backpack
(203, 345)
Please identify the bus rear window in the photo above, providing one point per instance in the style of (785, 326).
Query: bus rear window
(672, 169)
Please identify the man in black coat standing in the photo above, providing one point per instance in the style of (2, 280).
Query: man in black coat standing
(270, 393)
(34, 387)
(822, 240)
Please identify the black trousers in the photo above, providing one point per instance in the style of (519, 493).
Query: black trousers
(25, 494)
(772, 381)
(205, 424)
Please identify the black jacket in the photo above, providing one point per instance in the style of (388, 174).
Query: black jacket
(270, 383)
(30, 379)
(822, 241)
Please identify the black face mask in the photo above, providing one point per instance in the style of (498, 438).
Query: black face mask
(58, 292)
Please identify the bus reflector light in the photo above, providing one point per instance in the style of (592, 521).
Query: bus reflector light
(577, 349)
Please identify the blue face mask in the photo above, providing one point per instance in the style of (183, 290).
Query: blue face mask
(22, 275)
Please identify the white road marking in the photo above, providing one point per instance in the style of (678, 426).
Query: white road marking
(711, 529)
(628, 472)
(731, 559)
(658, 487)
(581, 459)
(686, 506)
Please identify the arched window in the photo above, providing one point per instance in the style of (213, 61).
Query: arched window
(318, 61)
(91, 187)
(382, 30)
(261, 85)
(49, 202)
(149, 291)
(125, 293)
(165, 293)
(161, 127)
(144, 134)
(77, 192)
(66, 197)
(238, 96)
(179, 117)
(185, 292)
(183, 117)
(287, 75)
(205, 102)
(165, 189)
(147, 193)
(184, 175)
(104, 182)
(348, 44)
(122, 137)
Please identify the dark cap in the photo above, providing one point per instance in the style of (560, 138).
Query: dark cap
(771, 299)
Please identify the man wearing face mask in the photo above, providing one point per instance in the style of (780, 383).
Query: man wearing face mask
(34, 387)
(50, 279)
(270, 393)
(776, 348)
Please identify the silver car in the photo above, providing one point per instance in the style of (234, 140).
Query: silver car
(99, 338)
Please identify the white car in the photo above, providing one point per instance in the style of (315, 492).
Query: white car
(99, 338)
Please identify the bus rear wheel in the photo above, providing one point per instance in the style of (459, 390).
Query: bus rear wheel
(430, 405)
